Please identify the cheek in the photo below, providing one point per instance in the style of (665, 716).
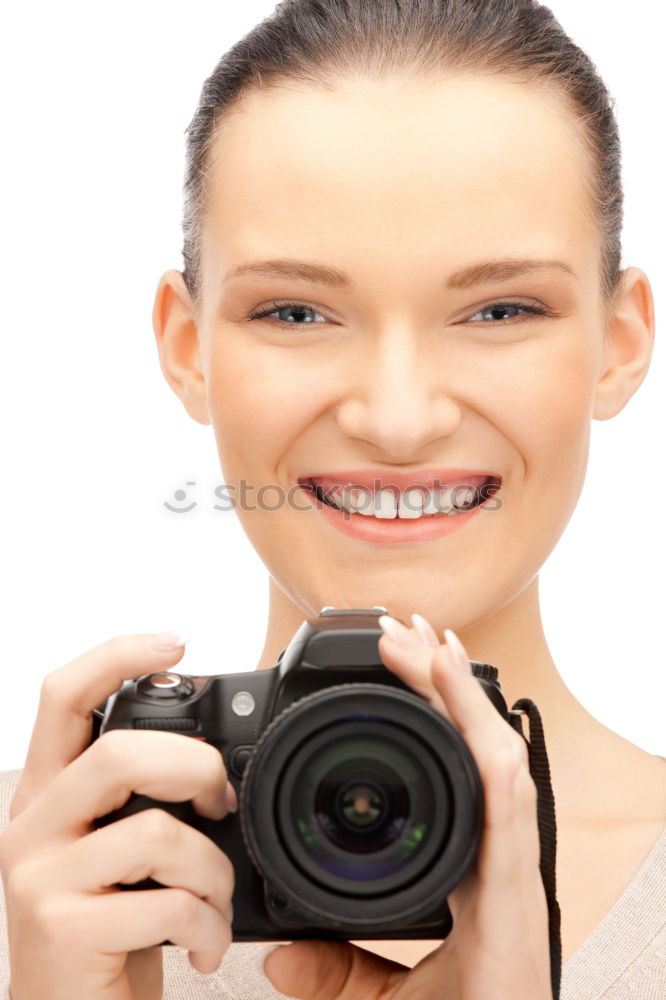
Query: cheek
(548, 413)
(563, 392)
(257, 405)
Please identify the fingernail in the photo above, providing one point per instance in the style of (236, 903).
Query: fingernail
(263, 955)
(399, 633)
(425, 630)
(164, 642)
(458, 654)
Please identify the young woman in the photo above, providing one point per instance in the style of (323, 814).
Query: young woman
(402, 246)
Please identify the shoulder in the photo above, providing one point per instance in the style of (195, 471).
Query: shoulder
(626, 953)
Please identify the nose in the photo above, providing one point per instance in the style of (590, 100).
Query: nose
(399, 400)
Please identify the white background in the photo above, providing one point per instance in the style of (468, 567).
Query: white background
(95, 100)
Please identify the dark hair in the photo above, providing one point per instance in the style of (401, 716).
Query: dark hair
(319, 42)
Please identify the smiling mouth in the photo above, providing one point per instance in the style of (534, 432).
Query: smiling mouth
(388, 503)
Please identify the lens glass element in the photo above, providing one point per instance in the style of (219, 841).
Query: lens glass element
(364, 802)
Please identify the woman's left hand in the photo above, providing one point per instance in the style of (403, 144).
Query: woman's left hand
(498, 948)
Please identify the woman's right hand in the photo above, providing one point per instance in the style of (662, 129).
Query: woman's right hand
(72, 933)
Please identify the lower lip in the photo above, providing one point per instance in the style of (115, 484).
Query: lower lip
(374, 529)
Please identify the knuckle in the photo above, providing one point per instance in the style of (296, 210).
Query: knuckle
(227, 873)
(217, 772)
(216, 931)
(23, 884)
(184, 907)
(213, 756)
(53, 914)
(519, 742)
(52, 687)
(71, 920)
(113, 747)
(526, 787)
(222, 935)
(54, 683)
(159, 825)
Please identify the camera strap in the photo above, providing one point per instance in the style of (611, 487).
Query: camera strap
(540, 771)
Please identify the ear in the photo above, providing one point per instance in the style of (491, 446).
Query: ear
(174, 323)
(628, 344)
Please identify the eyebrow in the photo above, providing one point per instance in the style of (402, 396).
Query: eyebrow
(489, 270)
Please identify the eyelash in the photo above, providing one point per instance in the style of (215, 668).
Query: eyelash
(532, 309)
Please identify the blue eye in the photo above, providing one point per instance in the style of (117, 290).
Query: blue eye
(285, 307)
(503, 307)
(301, 308)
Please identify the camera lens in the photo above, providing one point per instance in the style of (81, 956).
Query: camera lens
(362, 806)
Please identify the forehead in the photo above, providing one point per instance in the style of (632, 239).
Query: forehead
(455, 166)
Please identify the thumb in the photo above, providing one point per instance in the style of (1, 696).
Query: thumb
(330, 970)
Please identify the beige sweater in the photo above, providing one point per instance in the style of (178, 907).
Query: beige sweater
(624, 958)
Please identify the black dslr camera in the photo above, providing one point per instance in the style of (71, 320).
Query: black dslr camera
(360, 806)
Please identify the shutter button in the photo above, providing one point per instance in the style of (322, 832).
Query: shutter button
(166, 686)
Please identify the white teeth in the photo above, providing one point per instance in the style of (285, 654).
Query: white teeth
(352, 499)
(385, 505)
(360, 501)
(464, 497)
(439, 501)
(366, 508)
(446, 505)
(431, 505)
(411, 503)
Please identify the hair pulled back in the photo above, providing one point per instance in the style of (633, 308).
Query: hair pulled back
(322, 42)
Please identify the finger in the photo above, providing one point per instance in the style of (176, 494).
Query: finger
(63, 727)
(497, 867)
(121, 922)
(425, 631)
(149, 844)
(527, 821)
(327, 970)
(472, 712)
(499, 860)
(411, 662)
(506, 883)
(165, 766)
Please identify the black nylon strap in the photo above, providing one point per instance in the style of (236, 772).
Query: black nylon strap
(540, 771)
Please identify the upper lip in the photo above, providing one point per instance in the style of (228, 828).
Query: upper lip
(377, 479)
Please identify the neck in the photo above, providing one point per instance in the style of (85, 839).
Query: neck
(582, 752)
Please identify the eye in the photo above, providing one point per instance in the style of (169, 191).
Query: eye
(299, 309)
(502, 307)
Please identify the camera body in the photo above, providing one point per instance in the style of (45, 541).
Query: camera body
(360, 806)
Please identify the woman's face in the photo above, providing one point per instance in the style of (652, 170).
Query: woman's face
(405, 368)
